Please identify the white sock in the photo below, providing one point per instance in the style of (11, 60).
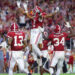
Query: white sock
(26, 71)
(58, 71)
(10, 71)
(51, 71)
(70, 68)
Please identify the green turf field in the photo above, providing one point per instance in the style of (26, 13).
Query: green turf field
(37, 74)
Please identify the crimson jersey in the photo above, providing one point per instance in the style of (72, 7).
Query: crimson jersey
(30, 59)
(38, 21)
(18, 38)
(45, 47)
(58, 40)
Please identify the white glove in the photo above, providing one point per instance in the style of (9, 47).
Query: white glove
(18, 4)
(57, 9)
(41, 29)
(25, 7)
(68, 25)
(51, 47)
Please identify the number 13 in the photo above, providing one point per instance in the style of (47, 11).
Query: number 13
(15, 41)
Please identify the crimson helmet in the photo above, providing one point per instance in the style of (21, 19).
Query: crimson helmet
(57, 29)
(14, 27)
(37, 9)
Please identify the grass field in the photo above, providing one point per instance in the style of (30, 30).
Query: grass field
(37, 74)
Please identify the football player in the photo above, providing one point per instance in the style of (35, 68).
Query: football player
(37, 28)
(17, 43)
(47, 51)
(58, 40)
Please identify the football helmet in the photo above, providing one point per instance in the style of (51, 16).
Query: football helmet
(57, 29)
(37, 9)
(14, 27)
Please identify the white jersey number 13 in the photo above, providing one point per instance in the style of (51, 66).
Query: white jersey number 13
(16, 40)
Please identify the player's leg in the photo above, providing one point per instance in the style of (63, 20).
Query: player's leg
(40, 65)
(34, 40)
(37, 51)
(11, 65)
(44, 53)
(41, 70)
(53, 64)
(70, 68)
(35, 64)
(64, 68)
(59, 66)
(22, 68)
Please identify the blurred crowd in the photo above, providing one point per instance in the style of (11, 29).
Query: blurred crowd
(8, 15)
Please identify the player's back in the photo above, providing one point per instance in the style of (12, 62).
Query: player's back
(17, 40)
(58, 40)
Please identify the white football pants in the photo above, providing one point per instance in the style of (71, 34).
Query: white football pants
(17, 57)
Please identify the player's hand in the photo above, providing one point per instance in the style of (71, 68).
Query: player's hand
(25, 7)
(67, 25)
(18, 4)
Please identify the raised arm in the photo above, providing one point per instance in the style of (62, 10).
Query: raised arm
(68, 25)
(25, 10)
(51, 14)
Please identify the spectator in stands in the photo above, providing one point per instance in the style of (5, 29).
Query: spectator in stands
(1, 39)
(1, 60)
(8, 15)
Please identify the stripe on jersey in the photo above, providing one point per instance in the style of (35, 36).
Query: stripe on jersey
(37, 38)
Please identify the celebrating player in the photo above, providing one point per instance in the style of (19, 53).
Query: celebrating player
(37, 28)
(16, 41)
(58, 40)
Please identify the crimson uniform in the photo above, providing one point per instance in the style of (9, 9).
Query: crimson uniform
(45, 45)
(38, 21)
(44, 51)
(36, 31)
(18, 38)
(30, 59)
(71, 59)
(58, 41)
(16, 53)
